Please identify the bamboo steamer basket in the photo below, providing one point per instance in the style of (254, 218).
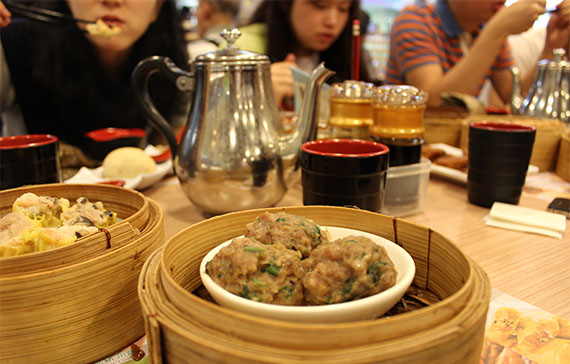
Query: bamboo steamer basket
(131, 206)
(182, 327)
(546, 141)
(84, 310)
(563, 161)
(443, 126)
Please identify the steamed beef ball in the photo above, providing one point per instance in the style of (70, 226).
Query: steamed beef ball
(347, 269)
(263, 273)
(292, 231)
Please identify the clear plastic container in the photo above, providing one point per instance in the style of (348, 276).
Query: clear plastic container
(406, 188)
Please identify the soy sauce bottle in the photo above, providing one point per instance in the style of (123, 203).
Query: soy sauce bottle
(398, 114)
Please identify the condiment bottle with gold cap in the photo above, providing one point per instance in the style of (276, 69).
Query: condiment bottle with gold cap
(350, 109)
(398, 114)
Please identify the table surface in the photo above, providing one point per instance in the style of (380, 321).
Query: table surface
(530, 267)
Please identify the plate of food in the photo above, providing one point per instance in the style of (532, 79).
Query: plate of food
(323, 274)
(129, 167)
(450, 163)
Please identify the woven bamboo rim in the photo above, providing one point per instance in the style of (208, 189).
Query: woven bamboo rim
(546, 142)
(443, 126)
(563, 161)
(181, 326)
(131, 206)
(176, 339)
(80, 312)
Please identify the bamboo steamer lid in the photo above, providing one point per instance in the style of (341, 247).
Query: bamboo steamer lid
(84, 310)
(443, 126)
(563, 161)
(546, 141)
(183, 327)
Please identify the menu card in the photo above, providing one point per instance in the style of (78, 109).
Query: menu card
(137, 353)
(516, 333)
(519, 333)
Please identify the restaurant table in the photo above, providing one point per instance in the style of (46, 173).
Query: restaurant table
(533, 268)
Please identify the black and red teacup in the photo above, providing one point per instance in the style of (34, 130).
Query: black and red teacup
(29, 159)
(344, 172)
(499, 155)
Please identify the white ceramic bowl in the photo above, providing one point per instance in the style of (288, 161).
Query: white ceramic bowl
(361, 309)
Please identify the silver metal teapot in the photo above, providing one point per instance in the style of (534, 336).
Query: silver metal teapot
(549, 95)
(234, 153)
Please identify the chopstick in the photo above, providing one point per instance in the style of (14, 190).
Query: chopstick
(355, 59)
(43, 15)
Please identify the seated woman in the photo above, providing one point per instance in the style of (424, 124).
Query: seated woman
(65, 81)
(303, 33)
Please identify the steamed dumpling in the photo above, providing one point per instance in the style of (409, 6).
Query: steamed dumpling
(127, 162)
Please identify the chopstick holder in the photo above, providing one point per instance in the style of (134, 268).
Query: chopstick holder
(525, 219)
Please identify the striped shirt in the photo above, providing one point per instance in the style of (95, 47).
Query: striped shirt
(429, 34)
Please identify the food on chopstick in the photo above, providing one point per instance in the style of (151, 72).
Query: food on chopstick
(440, 157)
(293, 232)
(288, 259)
(39, 223)
(102, 29)
(127, 162)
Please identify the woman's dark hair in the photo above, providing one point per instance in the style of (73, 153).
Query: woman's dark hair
(275, 14)
(65, 61)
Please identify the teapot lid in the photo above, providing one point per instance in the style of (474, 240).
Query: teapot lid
(557, 63)
(231, 54)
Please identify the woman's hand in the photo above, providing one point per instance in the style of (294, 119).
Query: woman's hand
(558, 30)
(282, 79)
(5, 16)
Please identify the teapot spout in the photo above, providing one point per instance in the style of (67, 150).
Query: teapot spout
(306, 129)
(516, 95)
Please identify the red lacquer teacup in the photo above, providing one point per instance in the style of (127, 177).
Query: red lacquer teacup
(29, 159)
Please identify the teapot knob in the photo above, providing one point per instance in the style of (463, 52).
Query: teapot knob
(230, 36)
(559, 54)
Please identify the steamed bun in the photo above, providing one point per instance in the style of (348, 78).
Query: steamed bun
(127, 162)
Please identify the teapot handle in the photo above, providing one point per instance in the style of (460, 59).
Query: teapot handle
(183, 80)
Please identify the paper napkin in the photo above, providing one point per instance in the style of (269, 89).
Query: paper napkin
(524, 219)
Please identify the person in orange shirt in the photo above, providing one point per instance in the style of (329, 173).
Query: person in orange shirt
(455, 45)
